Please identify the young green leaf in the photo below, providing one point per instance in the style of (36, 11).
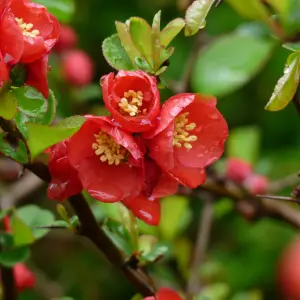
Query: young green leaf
(115, 53)
(41, 137)
(156, 40)
(8, 105)
(9, 257)
(141, 35)
(22, 234)
(195, 16)
(295, 47)
(171, 30)
(126, 41)
(228, 63)
(287, 85)
(33, 216)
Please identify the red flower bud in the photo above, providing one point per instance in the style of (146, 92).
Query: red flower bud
(238, 170)
(132, 98)
(190, 136)
(67, 39)
(77, 68)
(165, 294)
(257, 184)
(24, 278)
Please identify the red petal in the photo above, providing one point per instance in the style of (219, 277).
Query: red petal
(109, 183)
(37, 75)
(11, 39)
(145, 209)
(114, 89)
(34, 48)
(166, 186)
(3, 70)
(167, 294)
(211, 131)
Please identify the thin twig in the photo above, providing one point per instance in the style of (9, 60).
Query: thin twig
(280, 184)
(280, 198)
(202, 240)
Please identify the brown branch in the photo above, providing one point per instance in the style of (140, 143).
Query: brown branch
(278, 185)
(205, 223)
(8, 284)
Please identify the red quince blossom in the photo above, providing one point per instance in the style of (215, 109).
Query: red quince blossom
(257, 184)
(132, 98)
(3, 70)
(158, 184)
(190, 136)
(165, 294)
(28, 31)
(65, 181)
(108, 160)
(238, 170)
(77, 68)
(67, 39)
(37, 75)
(24, 278)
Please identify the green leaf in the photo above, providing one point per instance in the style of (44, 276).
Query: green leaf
(290, 17)
(89, 92)
(62, 9)
(126, 41)
(228, 63)
(156, 40)
(115, 53)
(244, 143)
(295, 47)
(174, 210)
(41, 137)
(21, 232)
(141, 35)
(156, 252)
(251, 295)
(10, 257)
(8, 105)
(251, 9)
(17, 153)
(195, 16)
(120, 236)
(33, 216)
(171, 30)
(166, 54)
(287, 85)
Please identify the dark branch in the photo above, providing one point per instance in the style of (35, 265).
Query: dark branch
(8, 284)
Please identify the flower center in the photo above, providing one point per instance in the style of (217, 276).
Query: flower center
(108, 150)
(27, 28)
(132, 103)
(181, 134)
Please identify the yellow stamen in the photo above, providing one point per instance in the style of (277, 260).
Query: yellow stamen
(27, 28)
(181, 135)
(132, 102)
(108, 150)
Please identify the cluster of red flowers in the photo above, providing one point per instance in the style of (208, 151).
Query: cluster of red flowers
(77, 66)
(24, 278)
(143, 151)
(242, 172)
(28, 32)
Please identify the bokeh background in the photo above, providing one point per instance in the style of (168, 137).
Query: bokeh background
(241, 263)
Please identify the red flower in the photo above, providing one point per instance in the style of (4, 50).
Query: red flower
(3, 70)
(238, 170)
(28, 31)
(37, 75)
(158, 184)
(165, 294)
(24, 278)
(67, 39)
(133, 99)
(77, 68)
(190, 136)
(108, 160)
(257, 184)
(65, 181)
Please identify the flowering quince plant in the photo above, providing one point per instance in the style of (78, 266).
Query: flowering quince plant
(165, 294)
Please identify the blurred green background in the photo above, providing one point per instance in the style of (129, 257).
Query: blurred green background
(242, 257)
